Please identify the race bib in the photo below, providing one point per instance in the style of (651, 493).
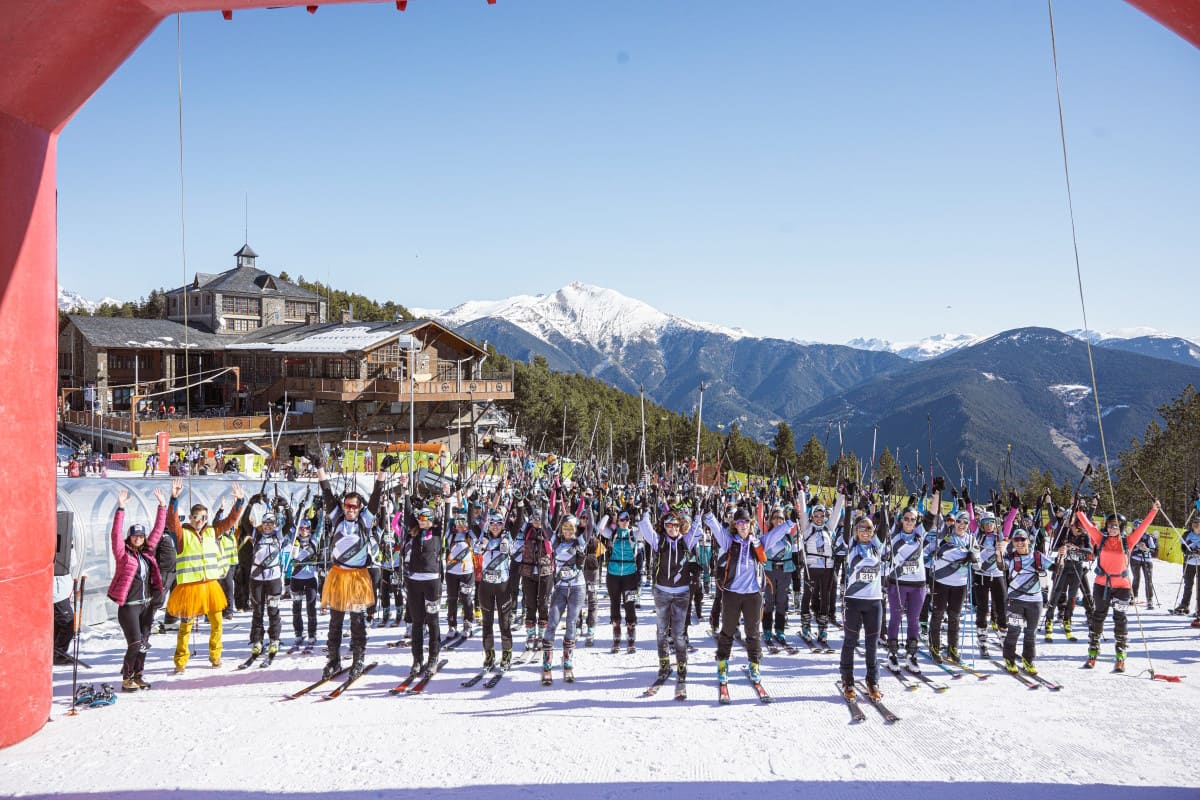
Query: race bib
(1074, 556)
(1120, 605)
(492, 576)
(910, 569)
(567, 573)
(1016, 621)
(868, 575)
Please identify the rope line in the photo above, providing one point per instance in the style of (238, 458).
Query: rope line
(1087, 334)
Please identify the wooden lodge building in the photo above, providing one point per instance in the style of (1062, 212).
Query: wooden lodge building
(228, 377)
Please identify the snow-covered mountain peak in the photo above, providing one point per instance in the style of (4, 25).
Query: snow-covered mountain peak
(922, 350)
(578, 312)
(70, 301)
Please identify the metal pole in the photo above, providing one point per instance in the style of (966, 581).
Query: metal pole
(412, 414)
(699, 418)
(642, 454)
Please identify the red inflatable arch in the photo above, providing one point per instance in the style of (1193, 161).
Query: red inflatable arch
(53, 56)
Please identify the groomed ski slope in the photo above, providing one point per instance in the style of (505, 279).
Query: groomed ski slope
(225, 733)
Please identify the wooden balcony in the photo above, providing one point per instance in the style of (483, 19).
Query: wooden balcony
(348, 390)
(232, 428)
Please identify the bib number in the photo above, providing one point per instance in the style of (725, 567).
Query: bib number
(868, 575)
(910, 569)
(1016, 621)
(1120, 605)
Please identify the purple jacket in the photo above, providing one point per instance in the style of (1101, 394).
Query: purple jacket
(127, 563)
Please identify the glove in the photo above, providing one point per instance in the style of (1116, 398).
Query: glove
(1013, 500)
(965, 496)
(888, 484)
(851, 489)
(315, 460)
(387, 462)
(954, 492)
(912, 500)
(939, 484)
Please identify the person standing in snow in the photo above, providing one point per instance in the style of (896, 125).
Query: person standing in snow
(199, 568)
(1112, 578)
(495, 548)
(567, 595)
(266, 583)
(348, 588)
(671, 568)
(863, 605)
(740, 577)
(1025, 571)
(134, 584)
(622, 580)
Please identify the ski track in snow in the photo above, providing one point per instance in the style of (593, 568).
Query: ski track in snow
(227, 731)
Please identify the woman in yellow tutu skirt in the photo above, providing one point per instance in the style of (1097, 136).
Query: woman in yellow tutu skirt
(199, 568)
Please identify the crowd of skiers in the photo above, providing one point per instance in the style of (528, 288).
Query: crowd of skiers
(528, 552)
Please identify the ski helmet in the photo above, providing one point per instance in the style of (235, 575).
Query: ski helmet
(1117, 518)
(987, 519)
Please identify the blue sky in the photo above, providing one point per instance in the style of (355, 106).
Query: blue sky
(812, 170)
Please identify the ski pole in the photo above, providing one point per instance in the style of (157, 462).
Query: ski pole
(77, 604)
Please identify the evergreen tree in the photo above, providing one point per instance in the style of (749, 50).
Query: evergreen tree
(783, 448)
(813, 462)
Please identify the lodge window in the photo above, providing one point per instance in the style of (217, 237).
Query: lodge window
(296, 309)
(241, 305)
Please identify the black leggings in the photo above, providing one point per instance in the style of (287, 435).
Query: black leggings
(946, 598)
(264, 595)
(622, 591)
(304, 591)
(495, 603)
(865, 616)
(990, 595)
(424, 599)
(459, 588)
(135, 620)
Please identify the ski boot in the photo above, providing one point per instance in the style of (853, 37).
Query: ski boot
(530, 637)
(332, 666)
(415, 670)
(925, 631)
(873, 691)
(1196, 622)
(129, 685)
(568, 662)
(590, 637)
(664, 668)
(1049, 637)
(256, 649)
(723, 671)
(1010, 665)
(272, 648)
(822, 636)
(806, 632)
(893, 659)
(631, 638)
(489, 658)
(983, 643)
(681, 682)
(386, 618)
(910, 649)
(547, 666)
(505, 659)
(952, 654)
(104, 697)
(1120, 665)
(137, 678)
(1093, 654)
(848, 690)
(1067, 631)
(541, 632)
(356, 666)
(755, 676)
(451, 633)
(1027, 665)
(616, 645)
(935, 654)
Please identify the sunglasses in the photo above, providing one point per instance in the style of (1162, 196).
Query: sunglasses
(908, 519)
(350, 506)
(199, 516)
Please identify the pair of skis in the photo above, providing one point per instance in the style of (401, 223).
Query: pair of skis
(680, 687)
(421, 678)
(856, 712)
(497, 674)
(254, 657)
(817, 646)
(1031, 680)
(338, 690)
(761, 691)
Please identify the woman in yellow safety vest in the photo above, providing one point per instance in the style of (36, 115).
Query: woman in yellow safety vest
(199, 569)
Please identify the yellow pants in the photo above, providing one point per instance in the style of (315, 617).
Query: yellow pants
(215, 624)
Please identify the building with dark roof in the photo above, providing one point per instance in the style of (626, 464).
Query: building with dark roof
(370, 380)
(243, 299)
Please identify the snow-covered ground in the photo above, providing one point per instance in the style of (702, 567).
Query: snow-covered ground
(224, 733)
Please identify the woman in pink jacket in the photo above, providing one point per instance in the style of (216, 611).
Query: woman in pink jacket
(135, 580)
